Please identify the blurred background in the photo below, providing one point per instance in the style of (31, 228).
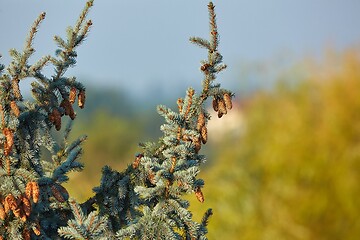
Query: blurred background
(284, 163)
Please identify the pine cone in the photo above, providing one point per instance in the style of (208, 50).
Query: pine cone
(215, 104)
(14, 107)
(35, 192)
(72, 95)
(81, 99)
(26, 205)
(227, 100)
(28, 190)
(200, 121)
(11, 202)
(59, 192)
(55, 118)
(197, 143)
(222, 108)
(9, 141)
(203, 134)
(69, 111)
(199, 195)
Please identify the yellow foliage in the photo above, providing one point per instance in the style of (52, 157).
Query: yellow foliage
(295, 173)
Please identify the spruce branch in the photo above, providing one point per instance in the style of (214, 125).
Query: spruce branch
(18, 67)
(33, 31)
(32, 198)
(75, 36)
(168, 169)
(83, 226)
(142, 202)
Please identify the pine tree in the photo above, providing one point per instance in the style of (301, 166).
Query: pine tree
(142, 202)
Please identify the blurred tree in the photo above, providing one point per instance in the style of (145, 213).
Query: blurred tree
(295, 172)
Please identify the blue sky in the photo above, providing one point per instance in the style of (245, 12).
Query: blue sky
(143, 45)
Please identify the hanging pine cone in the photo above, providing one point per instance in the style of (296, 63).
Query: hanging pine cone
(200, 121)
(69, 111)
(227, 100)
(55, 118)
(215, 104)
(26, 205)
(222, 108)
(59, 192)
(11, 202)
(203, 134)
(72, 95)
(35, 192)
(199, 195)
(28, 190)
(15, 109)
(9, 136)
(197, 143)
(32, 191)
(81, 99)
